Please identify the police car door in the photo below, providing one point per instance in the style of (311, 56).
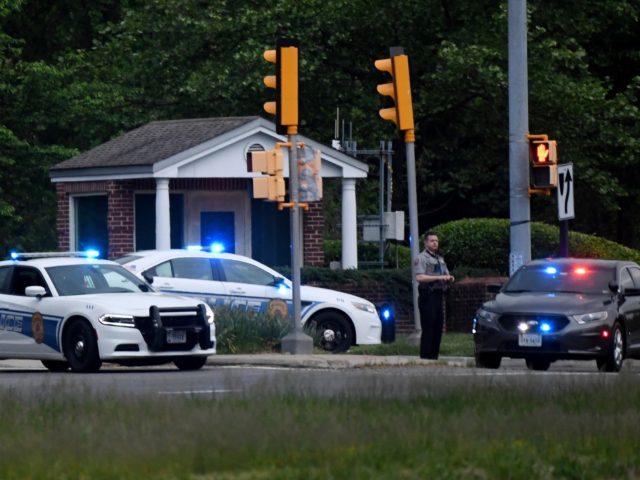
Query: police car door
(191, 276)
(632, 312)
(22, 326)
(247, 285)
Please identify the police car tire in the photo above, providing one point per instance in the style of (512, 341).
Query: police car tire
(55, 365)
(340, 325)
(190, 363)
(615, 356)
(488, 360)
(87, 358)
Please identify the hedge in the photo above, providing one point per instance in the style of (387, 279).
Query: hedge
(480, 247)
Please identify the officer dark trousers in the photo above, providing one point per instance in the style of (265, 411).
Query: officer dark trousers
(430, 304)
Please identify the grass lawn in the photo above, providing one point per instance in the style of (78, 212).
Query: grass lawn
(488, 432)
(453, 344)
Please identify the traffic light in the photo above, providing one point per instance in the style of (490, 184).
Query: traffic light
(285, 82)
(544, 164)
(269, 162)
(310, 181)
(399, 89)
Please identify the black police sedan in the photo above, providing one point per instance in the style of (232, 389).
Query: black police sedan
(566, 308)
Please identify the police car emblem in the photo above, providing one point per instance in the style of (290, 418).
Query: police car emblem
(37, 327)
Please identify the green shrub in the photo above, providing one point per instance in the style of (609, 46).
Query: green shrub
(239, 331)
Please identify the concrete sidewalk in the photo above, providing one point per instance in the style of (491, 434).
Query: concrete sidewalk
(321, 360)
(330, 361)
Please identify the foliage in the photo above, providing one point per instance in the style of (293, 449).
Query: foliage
(484, 243)
(78, 73)
(239, 331)
(369, 253)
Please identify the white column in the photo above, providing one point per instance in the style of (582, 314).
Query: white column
(163, 224)
(349, 224)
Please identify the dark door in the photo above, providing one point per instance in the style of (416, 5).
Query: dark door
(91, 224)
(217, 230)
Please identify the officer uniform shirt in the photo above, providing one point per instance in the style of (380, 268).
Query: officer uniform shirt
(431, 264)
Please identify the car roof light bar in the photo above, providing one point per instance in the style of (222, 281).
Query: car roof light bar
(32, 255)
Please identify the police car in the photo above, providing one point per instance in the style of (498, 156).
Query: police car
(569, 308)
(72, 312)
(340, 319)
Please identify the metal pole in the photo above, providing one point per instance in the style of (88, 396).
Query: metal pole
(381, 206)
(564, 238)
(389, 151)
(414, 236)
(296, 341)
(519, 208)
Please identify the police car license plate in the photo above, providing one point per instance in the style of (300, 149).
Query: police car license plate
(176, 336)
(530, 340)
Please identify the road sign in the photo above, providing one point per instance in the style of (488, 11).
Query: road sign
(565, 192)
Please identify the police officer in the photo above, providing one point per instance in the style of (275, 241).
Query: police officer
(433, 279)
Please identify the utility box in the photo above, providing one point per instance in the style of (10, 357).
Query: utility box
(393, 223)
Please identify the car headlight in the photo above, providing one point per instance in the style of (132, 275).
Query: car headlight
(486, 315)
(117, 320)
(365, 307)
(210, 316)
(589, 317)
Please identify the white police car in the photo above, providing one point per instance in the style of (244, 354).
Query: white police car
(340, 319)
(78, 312)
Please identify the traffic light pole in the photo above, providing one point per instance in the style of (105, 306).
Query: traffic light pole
(296, 341)
(414, 235)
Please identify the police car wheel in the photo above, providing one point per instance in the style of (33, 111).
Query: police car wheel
(190, 363)
(615, 356)
(55, 365)
(80, 347)
(333, 332)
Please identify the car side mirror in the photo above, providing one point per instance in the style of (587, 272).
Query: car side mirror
(148, 277)
(613, 287)
(494, 287)
(35, 291)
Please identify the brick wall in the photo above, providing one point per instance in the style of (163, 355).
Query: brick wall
(313, 234)
(120, 218)
(462, 301)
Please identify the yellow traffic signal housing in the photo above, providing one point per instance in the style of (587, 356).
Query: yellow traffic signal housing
(399, 89)
(268, 162)
(285, 82)
(543, 160)
(310, 180)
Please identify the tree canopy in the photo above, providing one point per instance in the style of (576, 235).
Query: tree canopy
(78, 73)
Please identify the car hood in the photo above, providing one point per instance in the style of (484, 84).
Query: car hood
(136, 304)
(542, 302)
(317, 294)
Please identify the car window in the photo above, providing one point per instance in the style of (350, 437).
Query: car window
(24, 277)
(579, 278)
(243, 272)
(625, 279)
(4, 279)
(162, 270)
(88, 279)
(635, 275)
(192, 268)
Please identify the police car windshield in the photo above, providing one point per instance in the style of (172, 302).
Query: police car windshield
(565, 278)
(94, 278)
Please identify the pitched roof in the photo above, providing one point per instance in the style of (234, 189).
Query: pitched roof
(153, 142)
